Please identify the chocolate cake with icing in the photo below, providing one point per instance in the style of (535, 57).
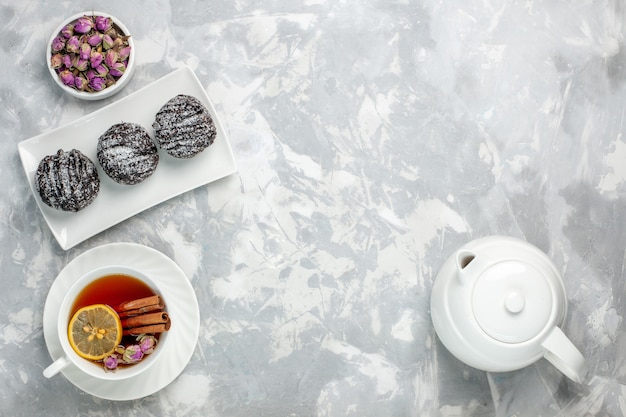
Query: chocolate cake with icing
(127, 153)
(183, 127)
(67, 181)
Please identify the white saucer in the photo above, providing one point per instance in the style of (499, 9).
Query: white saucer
(182, 307)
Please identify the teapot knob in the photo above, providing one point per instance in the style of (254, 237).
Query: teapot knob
(515, 302)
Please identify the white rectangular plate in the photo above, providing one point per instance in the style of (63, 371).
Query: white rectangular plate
(117, 202)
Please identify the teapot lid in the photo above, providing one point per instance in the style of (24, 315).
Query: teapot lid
(512, 301)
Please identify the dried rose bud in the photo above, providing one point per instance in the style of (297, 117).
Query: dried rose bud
(95, 59)
(95, 39)
(81, 64)
(110, 80)
(67, 31)
(80, 82)
(56, 61)
(102, 70)
(72, 45)
(103, 23)
(83, 25)
(132, 354)
(110, 363)
(67, 77)
(117, 70)
(97, 83)
(58, 44)
(85, 51)
(147, 343)
(110, 58)
(118, 43)
(67, 61)
(124, 53)
(107, 42)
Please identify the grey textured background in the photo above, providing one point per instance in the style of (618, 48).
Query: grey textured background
(373, 138)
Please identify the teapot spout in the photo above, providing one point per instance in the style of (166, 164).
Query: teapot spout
(463, 260)
(562, 353)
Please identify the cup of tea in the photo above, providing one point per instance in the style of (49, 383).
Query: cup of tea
(112, 324)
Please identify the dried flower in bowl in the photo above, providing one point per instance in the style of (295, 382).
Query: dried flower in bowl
(91, 55)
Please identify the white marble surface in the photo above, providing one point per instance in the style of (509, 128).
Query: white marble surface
(372, 140)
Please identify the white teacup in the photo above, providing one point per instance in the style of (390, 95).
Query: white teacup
(91, 368)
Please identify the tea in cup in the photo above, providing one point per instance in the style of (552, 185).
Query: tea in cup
(112, 324)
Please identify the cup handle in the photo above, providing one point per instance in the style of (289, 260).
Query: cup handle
(56, 366)
(562, 353)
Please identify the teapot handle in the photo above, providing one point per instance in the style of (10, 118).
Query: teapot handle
(561, 353)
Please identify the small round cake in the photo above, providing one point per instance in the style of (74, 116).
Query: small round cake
(127, 154)
(67, 181)
(183, 127)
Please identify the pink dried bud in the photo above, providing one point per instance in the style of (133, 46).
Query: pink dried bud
(124, 53)
(85, 51)
(80, 82)
(58, 44)
(72, 45)
(132, 354)
(95, 59)
(81, 64)
(107, 42)
(110, 363)
(67, 77)
(83, 24)
(118, 43)
(67, 61)
(56, 61)
(102, 70)
(111, 57)
(67, 31)
(103, 23)
(110, 80)
(95, 39)
(117, 70)
(97, 83)
(147, 343)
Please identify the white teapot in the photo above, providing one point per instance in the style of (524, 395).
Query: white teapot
(496, 305)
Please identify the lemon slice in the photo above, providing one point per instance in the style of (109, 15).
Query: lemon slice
(95, 331)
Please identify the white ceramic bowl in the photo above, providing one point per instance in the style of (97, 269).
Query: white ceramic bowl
(108, 91)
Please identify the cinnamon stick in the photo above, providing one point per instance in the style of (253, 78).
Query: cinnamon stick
(151, 329)
(145, 320)
(140, 303)
(144, 315)
(142, 310)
